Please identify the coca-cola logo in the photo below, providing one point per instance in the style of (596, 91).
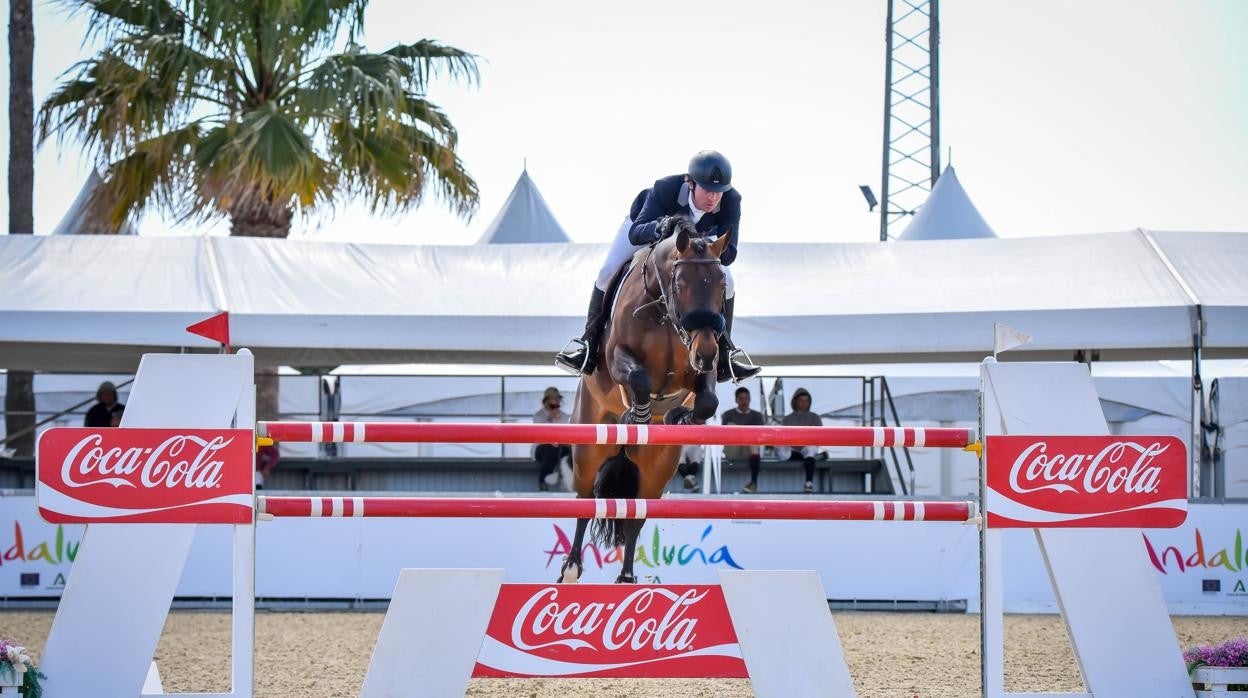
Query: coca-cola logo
(1085, 481)
(611, 630)
(1119, 466)
(632, 623)
(145, 475)
(178, 461)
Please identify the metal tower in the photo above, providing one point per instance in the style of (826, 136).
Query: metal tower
(911, 109)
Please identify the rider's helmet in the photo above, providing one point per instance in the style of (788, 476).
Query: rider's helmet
(711, 171)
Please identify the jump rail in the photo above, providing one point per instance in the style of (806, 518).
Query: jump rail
(759, 509)
(624, 434)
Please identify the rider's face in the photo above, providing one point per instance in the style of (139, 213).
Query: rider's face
(706, 200)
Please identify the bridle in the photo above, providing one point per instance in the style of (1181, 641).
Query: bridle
(667, 311)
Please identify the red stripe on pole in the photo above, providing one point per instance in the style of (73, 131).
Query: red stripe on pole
(348, 506)
(659, 434)
(910, 435)
(771, 509)
(348, 432)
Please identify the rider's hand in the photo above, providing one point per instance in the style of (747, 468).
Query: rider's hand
(667, 224)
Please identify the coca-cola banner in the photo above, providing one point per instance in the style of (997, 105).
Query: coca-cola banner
(615, 630)
(145, 475)
(1086, 481)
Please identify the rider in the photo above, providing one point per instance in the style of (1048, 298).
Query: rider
(704, 195)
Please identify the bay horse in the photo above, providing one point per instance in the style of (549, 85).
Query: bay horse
(658, 360)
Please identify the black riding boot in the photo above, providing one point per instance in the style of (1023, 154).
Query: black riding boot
(581, 354)
(729, 368)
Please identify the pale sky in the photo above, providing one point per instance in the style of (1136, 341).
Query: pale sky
(1063, 116)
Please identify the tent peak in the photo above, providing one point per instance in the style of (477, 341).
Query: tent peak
(524, 217)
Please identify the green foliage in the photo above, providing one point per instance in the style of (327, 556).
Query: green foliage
(254, 110)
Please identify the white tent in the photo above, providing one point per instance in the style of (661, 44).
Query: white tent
(93, 303)
(948, 214)
(524, 218)
(77, 222)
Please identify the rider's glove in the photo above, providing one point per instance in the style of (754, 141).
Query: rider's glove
(666, 225)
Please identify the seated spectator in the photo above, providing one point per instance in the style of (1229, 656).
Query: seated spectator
(101, 414)
(266, 460)
(801, 416)
(742, 415)
(690, 463)
(549, 455)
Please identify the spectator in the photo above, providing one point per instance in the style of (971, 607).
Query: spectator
(742, 415)
(549, 455)
(690, 463)
(101, 414)
(801, 416)
(266, 460)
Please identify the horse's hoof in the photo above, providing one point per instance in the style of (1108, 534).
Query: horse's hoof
(626, 579)
(678, 415)
(570, 573)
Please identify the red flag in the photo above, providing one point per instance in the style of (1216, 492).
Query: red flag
(216, 328)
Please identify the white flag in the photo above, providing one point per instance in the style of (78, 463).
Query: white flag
(1006, 338)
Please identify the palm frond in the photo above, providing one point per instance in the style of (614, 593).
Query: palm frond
(426, 59)
(157, 171)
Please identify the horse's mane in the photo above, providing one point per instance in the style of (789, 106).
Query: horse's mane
(698, 244)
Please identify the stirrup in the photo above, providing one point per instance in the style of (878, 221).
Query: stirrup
(733, 353)
(575, 341)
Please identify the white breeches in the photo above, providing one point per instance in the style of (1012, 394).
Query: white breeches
(622, 250)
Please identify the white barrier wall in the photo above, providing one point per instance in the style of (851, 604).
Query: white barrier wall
(346, 558)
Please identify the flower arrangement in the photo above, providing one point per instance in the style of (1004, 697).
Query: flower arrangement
(1232, 653)
(15, 665)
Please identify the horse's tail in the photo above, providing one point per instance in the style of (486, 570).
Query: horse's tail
(618, 478)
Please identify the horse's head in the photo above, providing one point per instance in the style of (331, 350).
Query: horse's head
(696, 293)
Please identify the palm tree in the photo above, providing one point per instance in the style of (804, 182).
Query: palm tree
(255, 111)
(19, 395)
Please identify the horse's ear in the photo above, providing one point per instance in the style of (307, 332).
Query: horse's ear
(721, 244)
(682, 240)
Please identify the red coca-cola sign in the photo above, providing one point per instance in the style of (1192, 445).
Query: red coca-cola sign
(145, 475)
(1086, 481)
(610, 630)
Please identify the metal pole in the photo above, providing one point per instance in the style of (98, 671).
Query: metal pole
(888, 109)
(933, 48)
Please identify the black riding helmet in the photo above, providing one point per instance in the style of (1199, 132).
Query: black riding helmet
(711, 171)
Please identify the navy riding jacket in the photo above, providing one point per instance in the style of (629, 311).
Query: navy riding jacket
(670, 197)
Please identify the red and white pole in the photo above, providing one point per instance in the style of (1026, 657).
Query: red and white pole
(532, 508)
(622, 434)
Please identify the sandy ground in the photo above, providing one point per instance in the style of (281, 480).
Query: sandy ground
(300, 655)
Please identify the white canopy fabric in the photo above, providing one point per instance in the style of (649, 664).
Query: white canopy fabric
(947, 214)
(524, 218)
(95, 303)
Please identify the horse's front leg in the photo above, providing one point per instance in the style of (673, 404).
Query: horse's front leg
(631, 532)
(572, 568)
(628, 372)
(705, 403)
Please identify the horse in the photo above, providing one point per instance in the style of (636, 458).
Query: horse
(657, 360)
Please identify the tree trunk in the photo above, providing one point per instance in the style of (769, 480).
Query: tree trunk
(19, 396)
(268, 222)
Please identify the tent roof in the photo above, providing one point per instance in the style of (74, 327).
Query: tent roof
(76, 222)
(948, 214)
(524, 218)
(98, 302)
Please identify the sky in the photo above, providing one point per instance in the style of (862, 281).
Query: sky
(1061, 117)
